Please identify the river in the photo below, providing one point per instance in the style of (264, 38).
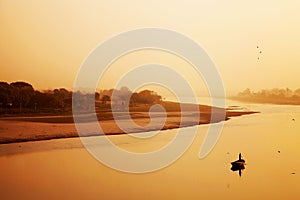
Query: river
(269, 142)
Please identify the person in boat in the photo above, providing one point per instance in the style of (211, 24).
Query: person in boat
(240, 161)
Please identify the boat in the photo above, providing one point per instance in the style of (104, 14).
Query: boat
(238, 163)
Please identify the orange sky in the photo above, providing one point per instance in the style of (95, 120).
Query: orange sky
(45, 42)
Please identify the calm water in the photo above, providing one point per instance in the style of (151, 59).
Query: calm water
(269, 142)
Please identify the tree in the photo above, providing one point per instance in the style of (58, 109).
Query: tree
(124, 94)
(97, 95)
(22, 93)
(297, 92)
(105, 98)
(246, 93)
(5, 94)
(146, 97)
(62, 97)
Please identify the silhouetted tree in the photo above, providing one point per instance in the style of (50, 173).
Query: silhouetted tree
(146, 97)
(22, 93)
(5, 94)
(104, 99)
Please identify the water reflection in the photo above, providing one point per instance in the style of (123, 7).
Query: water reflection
(238, 168)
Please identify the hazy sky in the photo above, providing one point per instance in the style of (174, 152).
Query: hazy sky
(45, 42)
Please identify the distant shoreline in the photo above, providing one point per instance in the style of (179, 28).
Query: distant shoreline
(36, 128)
(277, 96)
(274, 101)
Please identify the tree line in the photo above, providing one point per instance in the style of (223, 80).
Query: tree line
(21, 97)
(125, 96)
(275, 95)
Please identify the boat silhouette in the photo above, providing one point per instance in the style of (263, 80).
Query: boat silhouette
(238, 165)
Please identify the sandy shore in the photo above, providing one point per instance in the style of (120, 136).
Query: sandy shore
(23, 129)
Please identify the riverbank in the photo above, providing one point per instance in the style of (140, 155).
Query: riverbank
(35, 128)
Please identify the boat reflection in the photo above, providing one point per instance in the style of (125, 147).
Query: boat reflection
(238, 168)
